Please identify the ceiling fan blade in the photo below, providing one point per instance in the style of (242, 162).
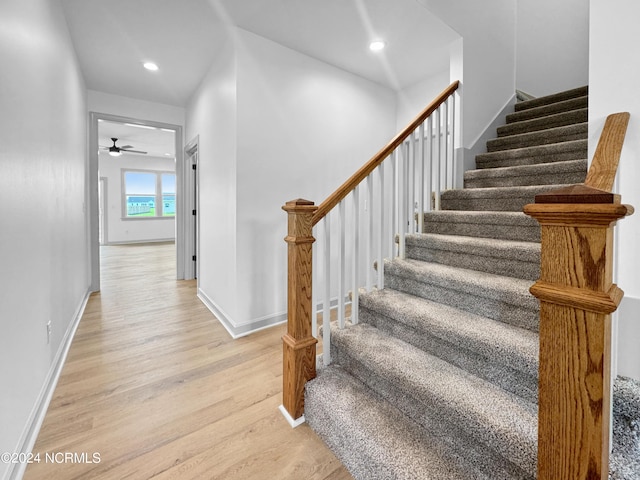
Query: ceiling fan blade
(126, 147)
(122, 149)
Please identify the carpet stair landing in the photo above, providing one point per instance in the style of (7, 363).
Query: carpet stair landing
(438, 381)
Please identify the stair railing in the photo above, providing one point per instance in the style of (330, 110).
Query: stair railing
(369, 215)
(577, 297)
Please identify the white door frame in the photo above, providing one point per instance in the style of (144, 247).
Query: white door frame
(191, 197)
(92, 182)
(103, 183)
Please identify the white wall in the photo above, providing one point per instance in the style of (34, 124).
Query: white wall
(487, 64)
(131, 231)
(552, 45)
(614, 77)
(43, 240)
(301, 128)
(413, 99)
(133, 108)
(212, 116)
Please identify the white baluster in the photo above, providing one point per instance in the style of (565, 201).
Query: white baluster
(437, 158)
(341, 264)
(315, 282)
(452, 129)
(355, 296)
(394, 203)
(402, 199)
(369, 239)
(421, 178)
(428, 177)
(382, 229)
(411, 183)
(326, 303)
(446, 167)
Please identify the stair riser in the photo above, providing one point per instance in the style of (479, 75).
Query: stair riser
(516, 315)
(526, 180)
(551, 109)
(433, 413)
(495, 370)
(503, 199)
(505, 232)
(546, 137)
(555, 98)
(533, 156)
(498, 266)
(538, 124)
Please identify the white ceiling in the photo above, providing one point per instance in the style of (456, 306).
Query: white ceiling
(114, 37)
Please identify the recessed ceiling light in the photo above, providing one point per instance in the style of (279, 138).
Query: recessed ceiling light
(150, 66)
(377, 45)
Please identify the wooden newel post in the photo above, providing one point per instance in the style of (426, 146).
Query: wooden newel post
(576, 296)
(298, 344)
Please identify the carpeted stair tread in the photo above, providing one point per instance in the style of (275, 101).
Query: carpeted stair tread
(375, 441)
(542, 123)
(553, 98)
(509, 199)
(625, 455)
(501, 257)
(533, 155)
(544, 110)
(499, 225)
(567, 172)
(433, 390)
(502, 354)
(498, 297)
(544, 137)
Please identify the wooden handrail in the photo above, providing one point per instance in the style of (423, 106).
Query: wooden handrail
(346, 188)
(604, 166)
(577, 296)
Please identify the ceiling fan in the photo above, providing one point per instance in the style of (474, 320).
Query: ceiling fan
(116, 151)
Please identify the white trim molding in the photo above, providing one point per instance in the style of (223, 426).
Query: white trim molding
(237, 330)
(294, 423)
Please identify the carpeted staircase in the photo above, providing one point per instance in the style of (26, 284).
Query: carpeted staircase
(439, 378)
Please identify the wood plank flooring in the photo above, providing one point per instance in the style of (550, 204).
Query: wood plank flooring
(157, 388)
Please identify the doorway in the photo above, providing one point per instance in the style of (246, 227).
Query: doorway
(96, 230)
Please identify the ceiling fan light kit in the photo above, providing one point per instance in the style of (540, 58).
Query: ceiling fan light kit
(116, 151)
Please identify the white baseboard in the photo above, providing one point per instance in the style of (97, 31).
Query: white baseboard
(32, 428)
(294, 423)
(235, 329)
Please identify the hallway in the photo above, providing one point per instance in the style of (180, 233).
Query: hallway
(154, 387)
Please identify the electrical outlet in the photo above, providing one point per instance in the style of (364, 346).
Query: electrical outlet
(49, 331)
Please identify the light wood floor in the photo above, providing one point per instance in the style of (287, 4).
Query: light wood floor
(155, 386)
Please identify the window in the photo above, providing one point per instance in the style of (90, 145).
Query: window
(148, 194)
